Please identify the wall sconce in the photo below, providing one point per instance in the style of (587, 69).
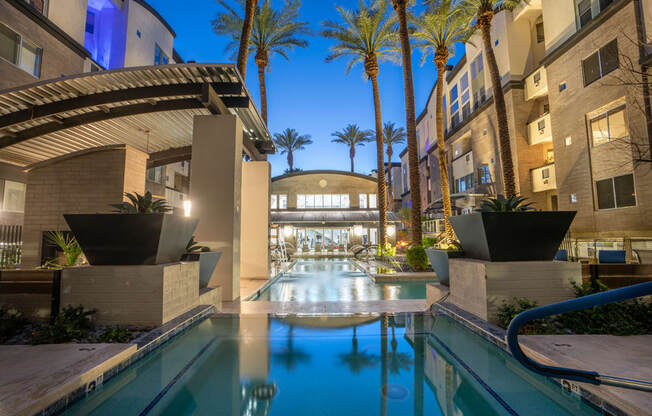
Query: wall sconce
(358, 230)
(288, 230)
(187, 206)
(391, 230)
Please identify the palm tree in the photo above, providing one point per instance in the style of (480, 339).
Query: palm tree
(230, 23)
(367, 36)
(357, 360)
(243, 50)
(438, 29)
(290, 141)
(482, 11)
(352, 136)
(393, 136)
(400, 6)
(274, 32)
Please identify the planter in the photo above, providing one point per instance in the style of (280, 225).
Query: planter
(131, 239)
(439, 261)
(207, 262)
(512, 236)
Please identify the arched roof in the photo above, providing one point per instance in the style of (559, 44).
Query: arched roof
(323, 172)
(150, 108)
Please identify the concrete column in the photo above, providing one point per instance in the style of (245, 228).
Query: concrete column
(215, 186)
(254, 253)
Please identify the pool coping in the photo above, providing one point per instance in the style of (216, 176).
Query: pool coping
(145, 344)
(267, 284)
(497, 336)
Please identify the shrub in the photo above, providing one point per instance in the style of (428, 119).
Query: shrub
(11, 322)
(68, 245)
(72, 323)
(416, 258)
(116, 334)
(427, 242)
(502, 204)
(141, 204)
(387, 251)
(508, 311)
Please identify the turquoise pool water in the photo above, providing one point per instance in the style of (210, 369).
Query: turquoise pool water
(403, 364)
(335, 280)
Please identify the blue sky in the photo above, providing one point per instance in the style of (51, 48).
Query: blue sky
(305, 93)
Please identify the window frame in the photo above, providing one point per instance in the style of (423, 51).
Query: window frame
(161, 53)
(606, 114)
(599, 54)
(613, 188)
(19, 52)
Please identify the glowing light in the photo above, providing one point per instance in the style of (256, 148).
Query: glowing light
(288, 230)
(358, 230)
(187, 206)
(391, 230)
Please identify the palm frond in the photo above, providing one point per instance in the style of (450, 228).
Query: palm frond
(290, 140)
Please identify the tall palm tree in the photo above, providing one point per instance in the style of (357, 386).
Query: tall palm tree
(352, 136)
(230, 23)
(274, 32)
(482, 11)
(243, 50)
(438, 29)
(367, 36)
(290, 141)
(393, 137)
(400, 6)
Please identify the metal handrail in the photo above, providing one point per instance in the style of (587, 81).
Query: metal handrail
(585, 302)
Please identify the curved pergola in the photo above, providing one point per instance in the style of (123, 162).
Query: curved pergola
(149, 108)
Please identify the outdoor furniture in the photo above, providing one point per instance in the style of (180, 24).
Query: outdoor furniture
(561, 255)
(611, 256)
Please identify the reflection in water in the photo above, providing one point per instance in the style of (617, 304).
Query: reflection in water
(257, 366)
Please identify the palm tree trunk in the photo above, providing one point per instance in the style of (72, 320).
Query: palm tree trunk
(390, 189)
(290, 160)
(261, 62)
(243, 51)
(509, 182)
(441, 147)
(352, 156)
(382, 208)
(410, 120)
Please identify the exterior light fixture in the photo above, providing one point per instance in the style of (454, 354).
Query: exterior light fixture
(287, 230)
(391, 230)
(358, 230)
(187, 206)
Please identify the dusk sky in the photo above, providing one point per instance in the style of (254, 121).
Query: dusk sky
(307, 94)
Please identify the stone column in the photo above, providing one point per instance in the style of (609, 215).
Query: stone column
(254, 253)
(215, 186)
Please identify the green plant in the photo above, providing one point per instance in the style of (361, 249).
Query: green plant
(508, 311)
(193, 246)
(11, 322)
(501, 204)
(72, 322)
(10, 256)
(387, 251)
(68, 244)
(416, 258)
(116, 334)
(452, 246)
(405, 215)
(428, 242)
(141, 204)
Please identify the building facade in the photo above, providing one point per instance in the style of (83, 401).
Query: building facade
(580, 135)
(318, 210)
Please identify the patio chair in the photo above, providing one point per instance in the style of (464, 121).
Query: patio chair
(611, 256)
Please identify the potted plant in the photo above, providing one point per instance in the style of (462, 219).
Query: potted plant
(207, 260)
(438, 256)
(509, 229)
(140, 232)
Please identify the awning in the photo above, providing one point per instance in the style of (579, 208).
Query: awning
(150, 108)
(328, 217)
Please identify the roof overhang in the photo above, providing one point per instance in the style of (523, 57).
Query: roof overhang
(329, 217)
(149, 108)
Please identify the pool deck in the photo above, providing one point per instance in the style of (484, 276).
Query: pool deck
(629, 357)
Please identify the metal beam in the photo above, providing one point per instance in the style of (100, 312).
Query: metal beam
(96, 116)
(236, 102)
(110, 97)
(165, 157)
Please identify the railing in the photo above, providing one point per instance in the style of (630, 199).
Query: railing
(11, 245)
(585, 302)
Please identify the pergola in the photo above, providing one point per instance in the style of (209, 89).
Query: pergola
(149, 108)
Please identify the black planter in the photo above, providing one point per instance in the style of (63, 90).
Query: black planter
(207, 262)
(512, 236)
(131, 239)
(439, 261)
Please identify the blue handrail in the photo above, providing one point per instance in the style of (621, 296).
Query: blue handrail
(585, 302)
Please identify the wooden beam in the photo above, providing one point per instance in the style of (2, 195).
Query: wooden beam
(236, 102)
(165, 157)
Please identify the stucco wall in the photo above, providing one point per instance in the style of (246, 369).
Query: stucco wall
(70, 16)
(140, 50)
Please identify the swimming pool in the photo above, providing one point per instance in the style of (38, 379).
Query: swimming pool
(400, 364)
(330, 280)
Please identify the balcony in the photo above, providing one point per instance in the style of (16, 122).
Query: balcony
(536, 84)
(543, 178)
(540, 130)
(526, 10)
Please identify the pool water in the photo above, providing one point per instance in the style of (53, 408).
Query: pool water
(331, 280)
(401, 364)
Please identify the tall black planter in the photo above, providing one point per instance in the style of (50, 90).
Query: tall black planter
(131, 239)
(512, 236)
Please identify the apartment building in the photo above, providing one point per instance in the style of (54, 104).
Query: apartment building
(578, 135)
(45, 39)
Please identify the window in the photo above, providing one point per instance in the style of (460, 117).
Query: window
(14, 196)
(40, 5)
(155, 174)
(273, 204)
(477, 81)
(464, 183)
(301, 201)
(540, 33)
(363, 200)
(372, 201)
(584, 11)
(90, 22)
(604, 4)
(282, 202)
(317, 201)
(483, 174)
(545, 173)
(609, 126)
(541, 125)
(600, 63)
(617, 192)
(160, 58)
(20, 51)
(568, 140)
(573, 198)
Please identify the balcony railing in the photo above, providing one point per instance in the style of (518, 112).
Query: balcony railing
(540, 130)
(544, 178)
(536, 84)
